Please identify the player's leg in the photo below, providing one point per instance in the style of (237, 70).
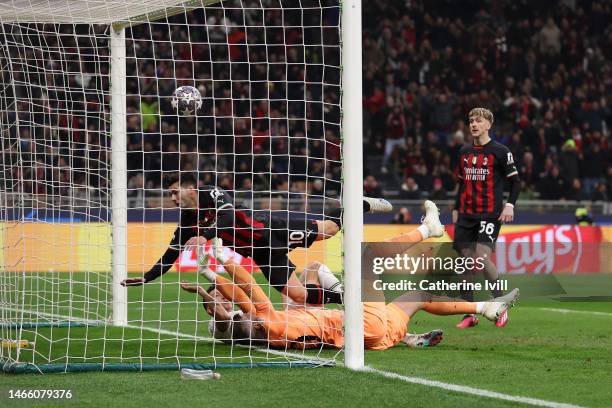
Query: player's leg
(308, 275)
(322, 286)
(316, 277)
(431, 226)
(332, 222)
(487, 237)
(280, 271)
(412, 302)
(466, 236)
(490, 272)
(488, 232)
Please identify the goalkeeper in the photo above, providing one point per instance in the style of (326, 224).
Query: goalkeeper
(210, 212)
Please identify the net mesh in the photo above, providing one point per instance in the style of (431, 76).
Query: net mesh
(268, 132)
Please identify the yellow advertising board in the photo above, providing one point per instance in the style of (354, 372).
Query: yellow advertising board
(42, 247)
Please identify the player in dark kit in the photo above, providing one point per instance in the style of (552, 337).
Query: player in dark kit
(208, 212)
(479, 211)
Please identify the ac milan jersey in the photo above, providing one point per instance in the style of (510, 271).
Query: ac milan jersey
(217, 216)
(482, 172)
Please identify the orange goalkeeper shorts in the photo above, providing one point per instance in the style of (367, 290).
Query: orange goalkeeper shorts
(384, 326)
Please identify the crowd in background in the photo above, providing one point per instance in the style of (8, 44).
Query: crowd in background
(544, 69)
(271, 90)
(269, 126)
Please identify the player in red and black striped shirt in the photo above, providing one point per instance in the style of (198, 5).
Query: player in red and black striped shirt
(484, 169)
(208, 212)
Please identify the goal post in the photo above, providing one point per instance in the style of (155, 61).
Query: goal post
(119, 173)
(88, 136)
(352, 141)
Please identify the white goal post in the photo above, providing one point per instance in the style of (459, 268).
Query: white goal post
(94, 303)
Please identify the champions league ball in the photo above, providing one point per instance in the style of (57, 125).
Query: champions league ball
(186, 100)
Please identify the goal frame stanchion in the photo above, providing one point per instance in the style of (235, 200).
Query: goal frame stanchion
(352, 173)
(118, 173)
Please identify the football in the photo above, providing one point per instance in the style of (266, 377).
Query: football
(186, 100)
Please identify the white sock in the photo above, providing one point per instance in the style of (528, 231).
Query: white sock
(424, 231)
(328, 280)
(480, 306)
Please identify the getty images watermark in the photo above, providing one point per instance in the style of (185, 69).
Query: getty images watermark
(412, 262)
(544, 268)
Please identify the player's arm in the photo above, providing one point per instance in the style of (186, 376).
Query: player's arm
(215, 310)
(235, 294)
(245, 281)
(163, 265)
(511, 173)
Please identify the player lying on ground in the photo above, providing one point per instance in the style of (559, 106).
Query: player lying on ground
(484, 168)
(385, 325)
(221, 310)
(229, 325)
(210, 212)
(315, 273)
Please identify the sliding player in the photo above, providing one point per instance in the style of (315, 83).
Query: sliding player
(385, 325)
(479, 209)
(210, 212)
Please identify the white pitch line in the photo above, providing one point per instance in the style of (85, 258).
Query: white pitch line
(413, 380)
(566, 311)
(469, 390)
(170, 333)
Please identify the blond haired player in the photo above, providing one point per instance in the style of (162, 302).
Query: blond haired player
(485, 167)
(385, 325)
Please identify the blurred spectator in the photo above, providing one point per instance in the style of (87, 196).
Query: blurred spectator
(371, 187)
(527, 191)
(318, 188)
(396, 129)
(576, 192)
(438, 193)
(553, 186)
(569, 161)
(527, 171)
(410, 190)
(549, 38)
(600, 193)
(593, 167)
(403, 216)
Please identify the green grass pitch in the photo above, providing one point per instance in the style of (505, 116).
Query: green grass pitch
(560, 357)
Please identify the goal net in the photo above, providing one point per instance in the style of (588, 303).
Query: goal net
(88, 136)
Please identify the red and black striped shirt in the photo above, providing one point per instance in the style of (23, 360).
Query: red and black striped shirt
(482, 173)
(218, 217)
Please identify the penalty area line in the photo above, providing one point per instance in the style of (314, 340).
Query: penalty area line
(463, 389)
